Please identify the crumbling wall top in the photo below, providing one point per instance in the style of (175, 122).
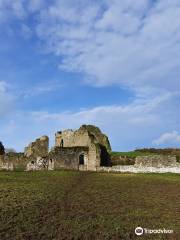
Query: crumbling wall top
(81, 137)
(100, 137)
(38, 148)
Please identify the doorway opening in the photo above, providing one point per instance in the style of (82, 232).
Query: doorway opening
(81, 159)
(105, 157)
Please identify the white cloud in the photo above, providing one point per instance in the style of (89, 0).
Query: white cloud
(10, 9)
(132, 44)
(6, 100)
(121, 42)
(26, 31)
(42, 88)
(35, 5)
(127, 126)
(171, 138)
(123, 16)
(129, 43)
(3, 86)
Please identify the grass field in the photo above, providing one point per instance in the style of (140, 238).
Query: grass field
(84, 205)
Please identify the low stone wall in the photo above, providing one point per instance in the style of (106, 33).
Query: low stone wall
(134, 169)
(148, 164)
(13, 161)
(158, 160)
(18, 160)
(6, 166)
(122, 160)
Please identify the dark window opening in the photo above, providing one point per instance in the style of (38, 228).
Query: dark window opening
(105, 157)
(32, 162)
(51, 160)
(62, 143)
(81, 159)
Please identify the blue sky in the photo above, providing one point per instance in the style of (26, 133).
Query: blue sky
(115, 64)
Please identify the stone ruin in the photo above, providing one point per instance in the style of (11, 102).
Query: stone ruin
(38, 148)
(84, 149)
(154, 163)
(89, 136)
(156, 160)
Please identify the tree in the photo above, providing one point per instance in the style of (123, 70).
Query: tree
(2, 149)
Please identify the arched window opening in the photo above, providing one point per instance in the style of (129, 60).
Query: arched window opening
(62, 143)
(81, 159)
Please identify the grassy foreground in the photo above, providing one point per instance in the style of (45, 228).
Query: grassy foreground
(83, 205)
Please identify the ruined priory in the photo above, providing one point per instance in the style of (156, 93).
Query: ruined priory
(84, 149)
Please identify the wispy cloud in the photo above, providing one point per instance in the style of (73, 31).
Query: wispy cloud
(11, 9)
(116, 42)
(169, 138)
(41, 88)
(127, 43)
(132, 44)
(6, 100)
(123, 124)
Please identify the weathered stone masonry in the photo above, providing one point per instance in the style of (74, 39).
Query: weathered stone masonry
(84, 149)
(156, 160)
(38, 148)
(69, 157)
(157, 163)
(87, 136)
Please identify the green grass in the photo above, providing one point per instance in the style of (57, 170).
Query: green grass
(83, 205)
(132, 154)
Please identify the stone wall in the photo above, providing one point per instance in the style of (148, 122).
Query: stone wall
(41, 163)
(31, 159)
(68, 157)
(148, 164)
(101, 138)
(86, 136)
(122, 160)
(69, 138)
(38, 148)
(6, 166)
(85, 149)
(156, 161)
(80, 137)
(1, 158)
(18, 160)
(134, 169)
